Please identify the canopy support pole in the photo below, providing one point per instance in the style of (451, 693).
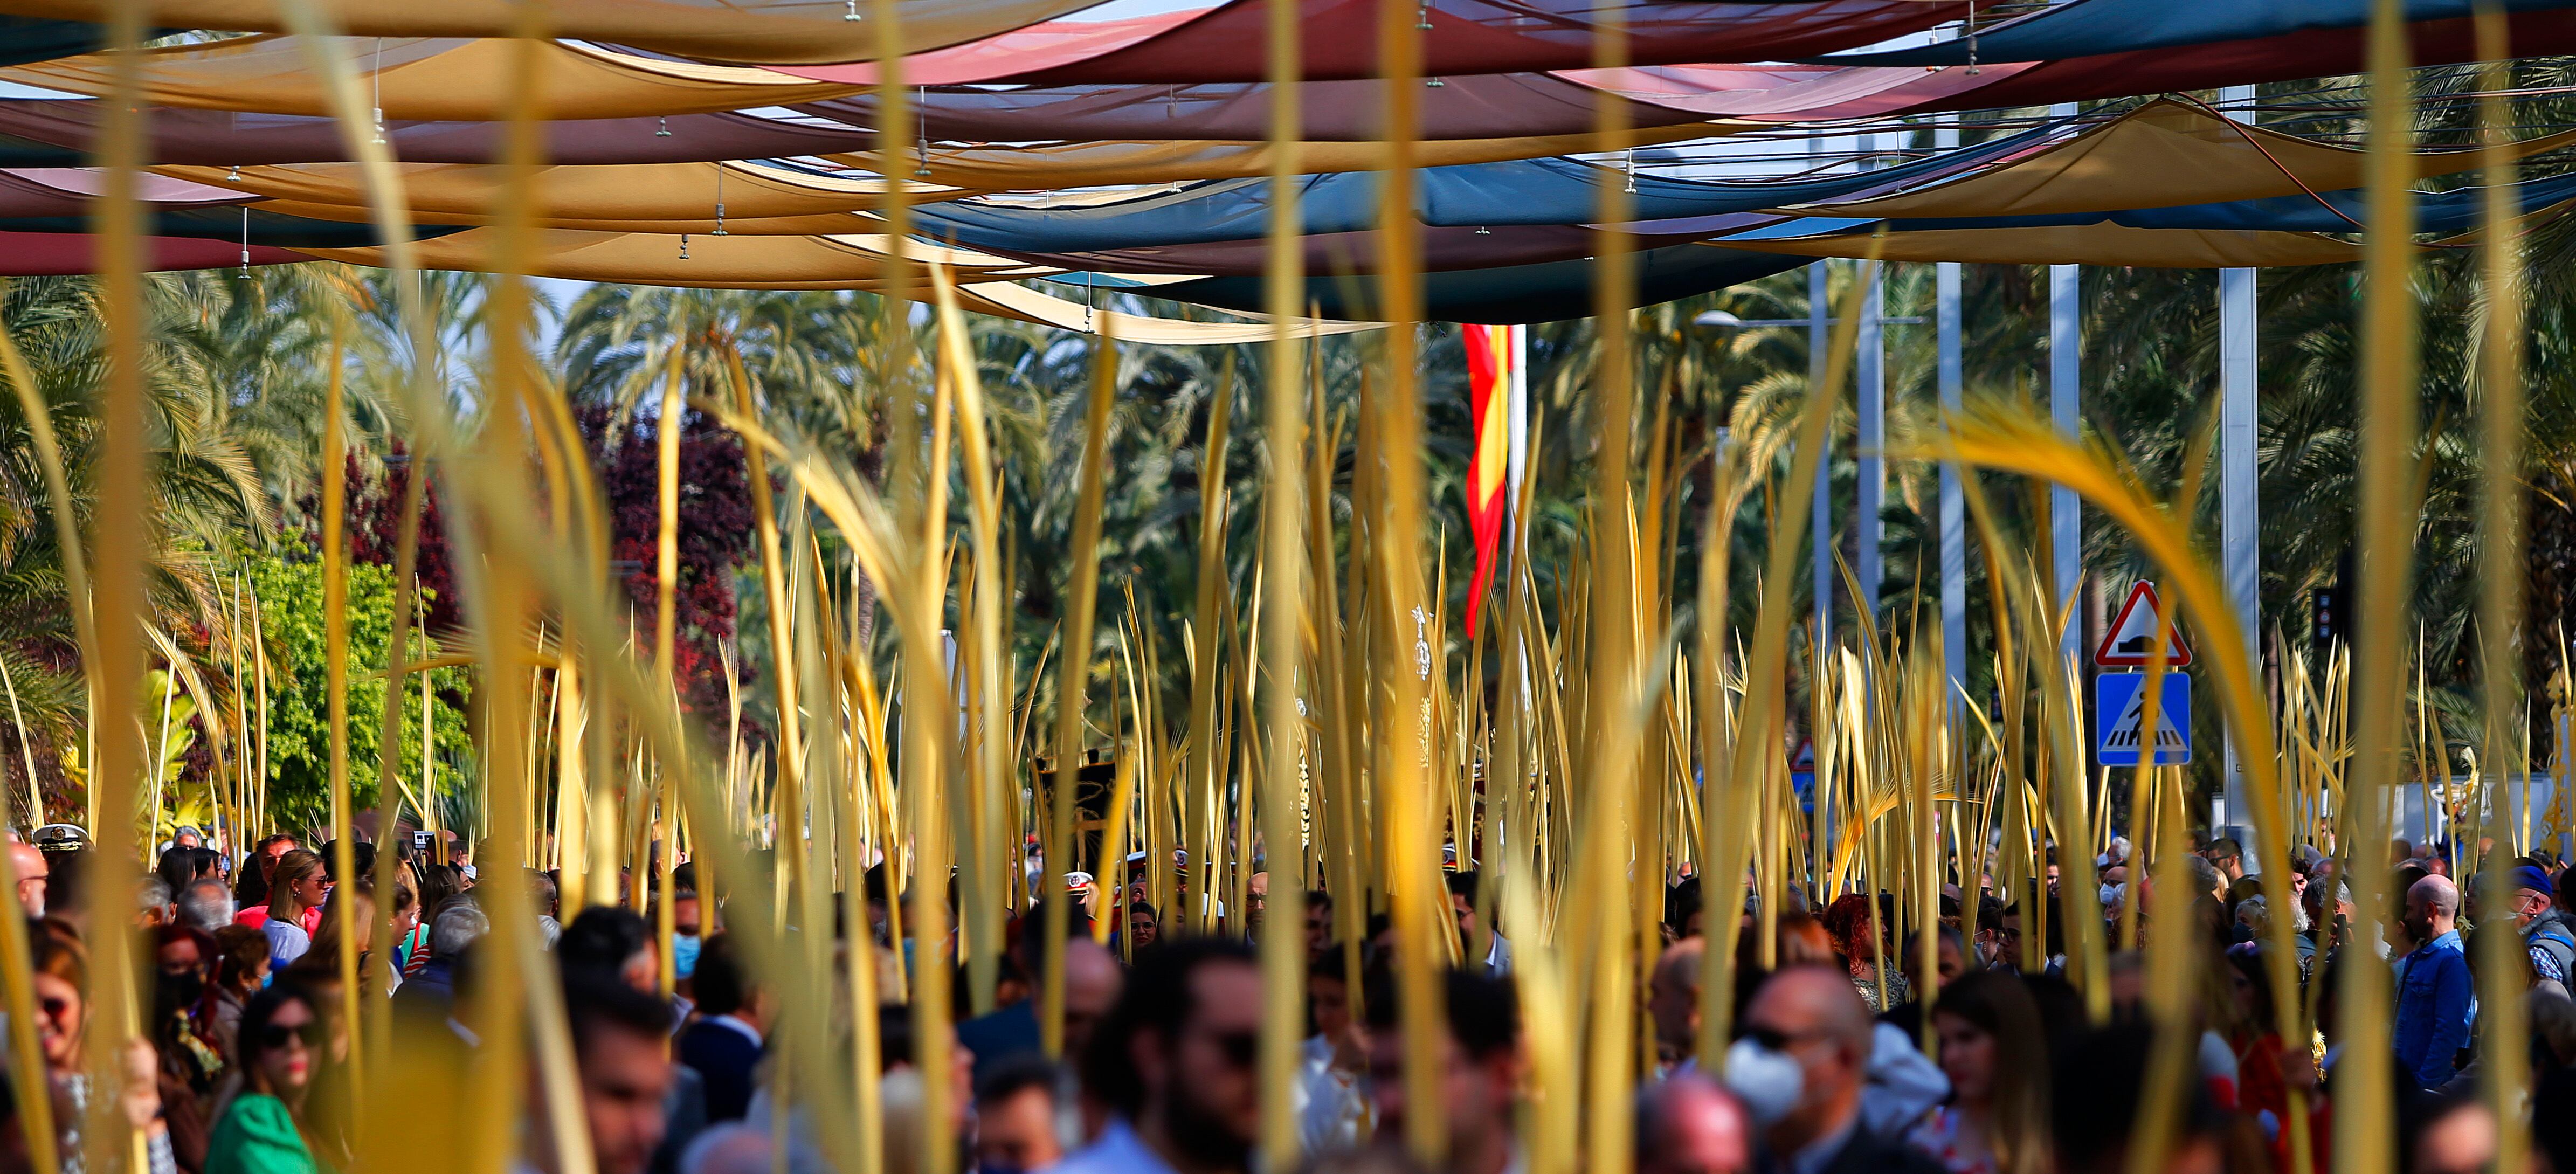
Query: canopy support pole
(1821, 524)
(2240, 531)
(2065, 402)
(2066, 405)
(1951, 375)
(1871, 440)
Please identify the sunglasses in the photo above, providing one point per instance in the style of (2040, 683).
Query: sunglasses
(1775, 1040)
(1241, 1049)
(55, 1008)
(276, 1036)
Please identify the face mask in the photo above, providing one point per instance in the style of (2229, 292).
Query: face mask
(180, 991)
(2110, 895)
(1768, 1082)
(684, 955)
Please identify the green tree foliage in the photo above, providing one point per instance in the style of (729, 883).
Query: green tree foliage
(299, 765)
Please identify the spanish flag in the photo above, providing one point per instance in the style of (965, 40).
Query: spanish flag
(1495, 375)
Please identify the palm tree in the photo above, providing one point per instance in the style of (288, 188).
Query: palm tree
(207, 492)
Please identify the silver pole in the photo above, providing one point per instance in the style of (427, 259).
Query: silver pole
(2240, 531)
(1872, 438)
(1954, 529)
(2065, 402)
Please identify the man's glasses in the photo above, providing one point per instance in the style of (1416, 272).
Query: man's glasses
(277, 1035)
(1774, 1040)
(1241, 1049)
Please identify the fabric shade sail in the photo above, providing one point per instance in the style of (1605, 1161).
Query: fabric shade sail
(1472, 106)
(2437, 213)
(2086, 28)
(2281, 230)
(59, 254)
(756, 31)
(2166, 153)
(1544, 292)
(2319, 53)
(656, 191)
(29, 38)
(1055, 166)
(431, 78)
(1225, 42)
(258, 226)
(54, 132)
(67, 191)
(734, 261)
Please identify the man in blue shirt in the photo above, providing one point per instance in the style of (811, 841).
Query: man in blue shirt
(1177, 1062)
(2436, 999)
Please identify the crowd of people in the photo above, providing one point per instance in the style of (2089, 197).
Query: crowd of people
(1844, 1058)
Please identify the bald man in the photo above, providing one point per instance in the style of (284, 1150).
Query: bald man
(1688, 1125)
(1811, 1017)
(1093, 980)
(27, 866)
(2435, 995)
(1672, 999)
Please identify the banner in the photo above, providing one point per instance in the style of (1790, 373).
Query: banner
(1496, 375)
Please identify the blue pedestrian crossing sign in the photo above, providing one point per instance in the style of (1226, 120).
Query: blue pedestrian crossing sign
(2119, 714)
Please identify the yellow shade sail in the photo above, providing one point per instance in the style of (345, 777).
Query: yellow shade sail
(771, 32)
(464, 193)
(428, 78)
(2166, 154)
(741, 261)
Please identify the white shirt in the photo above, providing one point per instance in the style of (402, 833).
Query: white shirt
(287, 942)
(1331, 1113)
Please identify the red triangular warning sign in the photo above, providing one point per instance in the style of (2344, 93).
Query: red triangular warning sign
(2131, 641)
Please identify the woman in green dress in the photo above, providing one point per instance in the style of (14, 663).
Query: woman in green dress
(263, 1130)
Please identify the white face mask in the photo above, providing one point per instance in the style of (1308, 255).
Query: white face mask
(2110, 895)
(1768, 1082)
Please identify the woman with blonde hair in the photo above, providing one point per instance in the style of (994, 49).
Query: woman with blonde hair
(1993, 1051)
(295, 892)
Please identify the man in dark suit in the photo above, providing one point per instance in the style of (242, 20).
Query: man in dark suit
(725, 1043)
(1812, 1016)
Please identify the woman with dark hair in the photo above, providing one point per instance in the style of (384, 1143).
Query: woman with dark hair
(241, 969)
(179, 867)
(189, 1067)
(2252, 1034)
(264, 1129)
(438, 885)
(258, 870)
(1993, 1051)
